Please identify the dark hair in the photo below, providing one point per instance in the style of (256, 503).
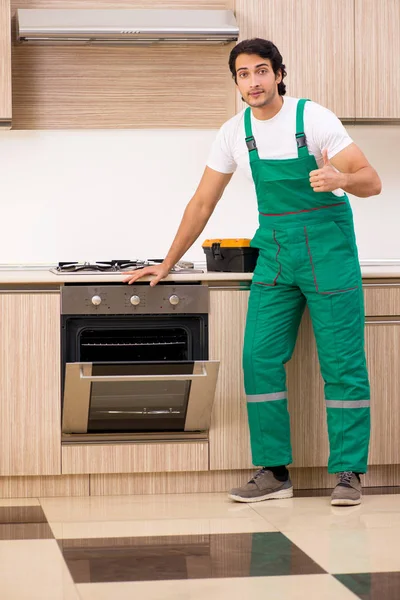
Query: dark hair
(263, 48)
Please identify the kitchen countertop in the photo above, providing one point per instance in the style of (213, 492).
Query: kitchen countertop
(36, 275)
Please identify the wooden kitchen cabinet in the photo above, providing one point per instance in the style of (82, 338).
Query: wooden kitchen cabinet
(229, 438)
(30, 407)
(382, 299)
(306, 391)
(383, 356)
(377, 59)
(316, 40)
(135, 458)
(5, 64)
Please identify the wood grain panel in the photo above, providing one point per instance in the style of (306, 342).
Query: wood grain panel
(167, 483)
(86, 4)
(383, 355)
(44, 487)
(135, 458)
(316, 40)
(30, 403)
(137, 87)
(319, 478)
(5, 64)
(222, 481)
(377, 58)
(229, 436)
(382, 300)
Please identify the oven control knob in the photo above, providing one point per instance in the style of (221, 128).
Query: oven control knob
(96, 300)
(135, 300)
(174, 299)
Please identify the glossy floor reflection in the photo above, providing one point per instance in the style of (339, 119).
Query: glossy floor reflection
(196, 546)
(185, 557)
(23, 523)
(373, 586)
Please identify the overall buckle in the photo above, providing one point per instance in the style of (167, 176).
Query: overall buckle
(251, 143)
(301, 140)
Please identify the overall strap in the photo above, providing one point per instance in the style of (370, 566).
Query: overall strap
(302, 149)
(250, 141)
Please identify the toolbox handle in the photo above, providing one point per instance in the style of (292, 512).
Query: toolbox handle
(216, 251)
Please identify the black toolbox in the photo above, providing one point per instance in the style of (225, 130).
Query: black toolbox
(230, 255)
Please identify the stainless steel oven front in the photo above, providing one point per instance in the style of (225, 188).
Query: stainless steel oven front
(135, 362)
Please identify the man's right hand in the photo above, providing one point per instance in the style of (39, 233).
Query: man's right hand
(159, 272)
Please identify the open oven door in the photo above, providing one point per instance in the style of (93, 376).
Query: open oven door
(138, 398)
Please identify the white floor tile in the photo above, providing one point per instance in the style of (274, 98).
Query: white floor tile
(34, 570)
(296, 587)
(352, 551)
(19, 502)
(159, 527)
(127, 508)
(317, 513)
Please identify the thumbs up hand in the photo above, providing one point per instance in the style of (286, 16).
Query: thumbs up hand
(327, 178)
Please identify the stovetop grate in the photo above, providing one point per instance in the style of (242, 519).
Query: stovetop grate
(107, 266)
(119, 266)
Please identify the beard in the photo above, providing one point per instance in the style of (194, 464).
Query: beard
(261, 101)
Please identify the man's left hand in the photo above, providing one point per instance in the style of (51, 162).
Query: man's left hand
(328, 178)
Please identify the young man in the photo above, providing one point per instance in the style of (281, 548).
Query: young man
(302, 162)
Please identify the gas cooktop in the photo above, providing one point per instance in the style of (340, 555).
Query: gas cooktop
(118, 267)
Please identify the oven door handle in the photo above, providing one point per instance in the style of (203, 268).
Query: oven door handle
(111, 378)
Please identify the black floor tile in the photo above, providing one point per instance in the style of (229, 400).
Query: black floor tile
(26, 531)
(373, 586)
(24, 523)
(22, 514)
(185, 557)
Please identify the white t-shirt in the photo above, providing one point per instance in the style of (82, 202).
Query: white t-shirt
(275, 138)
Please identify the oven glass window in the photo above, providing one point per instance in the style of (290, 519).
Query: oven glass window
(164, 343)
(138, 406)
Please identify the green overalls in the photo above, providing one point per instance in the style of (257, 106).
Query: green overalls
(307, 254)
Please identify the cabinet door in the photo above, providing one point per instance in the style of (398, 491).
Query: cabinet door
(30, 406)
(383, 356)
(229, 438)
(377, 60)
(306, 393)
(5, 64)
(229, 435)
(316, 40)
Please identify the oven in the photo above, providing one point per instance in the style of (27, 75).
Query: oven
(135, 362)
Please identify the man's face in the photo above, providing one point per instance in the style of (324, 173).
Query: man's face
(256, 80)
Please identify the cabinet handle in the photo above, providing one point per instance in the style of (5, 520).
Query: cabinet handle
(395, 321)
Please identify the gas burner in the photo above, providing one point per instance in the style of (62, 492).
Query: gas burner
(74, 267)
(118, 266)
(111, 266)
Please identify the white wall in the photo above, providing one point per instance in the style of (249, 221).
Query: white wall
(98, 195)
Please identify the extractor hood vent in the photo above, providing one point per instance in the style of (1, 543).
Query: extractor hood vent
(128, 27)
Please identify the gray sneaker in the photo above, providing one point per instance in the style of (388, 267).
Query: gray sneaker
(347, 491)
(263, 486)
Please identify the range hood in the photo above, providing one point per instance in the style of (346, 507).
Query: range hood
(125, 26)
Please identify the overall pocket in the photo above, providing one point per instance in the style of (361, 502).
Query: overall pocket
(268, 267)
(333, 257)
